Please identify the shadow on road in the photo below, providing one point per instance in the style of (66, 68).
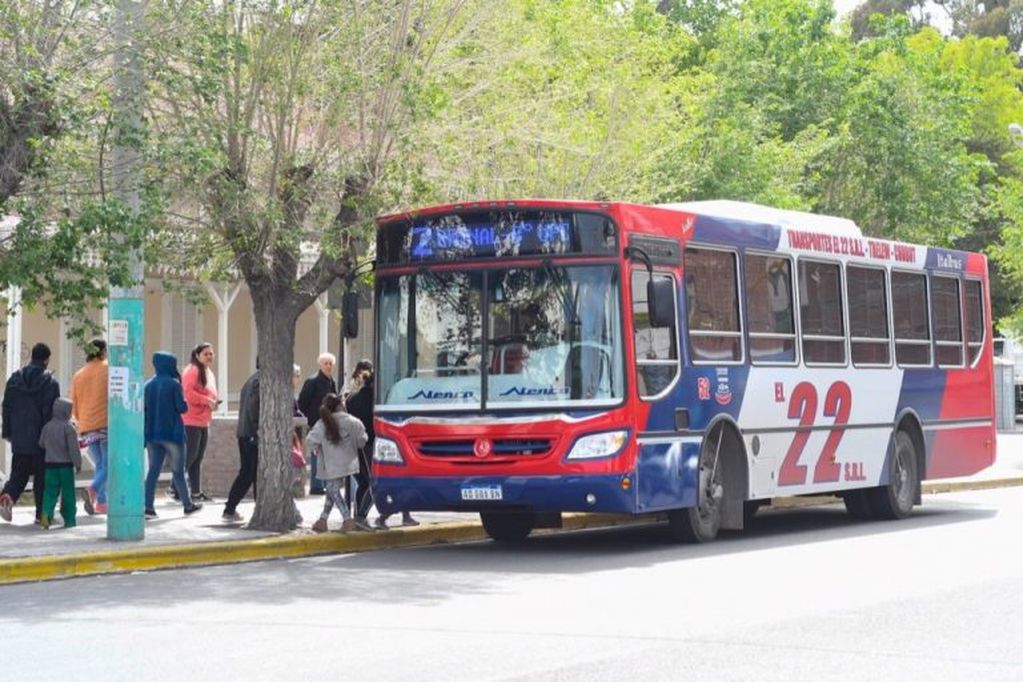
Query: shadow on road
(431, 575)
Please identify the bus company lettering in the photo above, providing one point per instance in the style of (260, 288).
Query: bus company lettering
(949, 262)
(851, 246)
(525, 392)
(427, 394)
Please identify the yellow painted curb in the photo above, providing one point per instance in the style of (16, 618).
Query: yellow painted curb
(303, 544)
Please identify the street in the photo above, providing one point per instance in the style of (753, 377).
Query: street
(803, 594)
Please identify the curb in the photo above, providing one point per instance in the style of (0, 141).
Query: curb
(304, 544)
(293, 545)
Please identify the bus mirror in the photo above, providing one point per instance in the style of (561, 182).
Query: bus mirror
(350, 315)
(660, 296)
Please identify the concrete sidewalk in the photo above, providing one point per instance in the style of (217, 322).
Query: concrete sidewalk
(173, 540)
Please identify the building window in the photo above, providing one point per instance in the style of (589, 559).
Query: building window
(712, 303)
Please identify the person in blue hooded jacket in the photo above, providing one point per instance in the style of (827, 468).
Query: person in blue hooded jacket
(165, 430)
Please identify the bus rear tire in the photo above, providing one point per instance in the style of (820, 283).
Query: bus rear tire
(507, 526)
(895, 500)
(702, 522)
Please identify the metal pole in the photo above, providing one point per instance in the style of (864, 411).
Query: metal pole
(127, 309)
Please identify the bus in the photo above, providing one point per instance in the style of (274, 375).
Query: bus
(693, 360)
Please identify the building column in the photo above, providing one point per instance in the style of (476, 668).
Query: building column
(223, 296)
(14, 329)
(324, 313)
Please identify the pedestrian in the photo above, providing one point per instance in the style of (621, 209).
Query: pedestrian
(355, 381)
(360, 406)
(27, 406)
(314, 390)
(298, 462)
(337, 438)
(88, 396)
(63, 458)
(164, 403)
(200, 387)
(247, 432)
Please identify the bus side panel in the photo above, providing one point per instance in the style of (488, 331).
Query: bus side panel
(667, 474)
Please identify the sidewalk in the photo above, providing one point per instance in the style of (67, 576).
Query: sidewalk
(173, 540)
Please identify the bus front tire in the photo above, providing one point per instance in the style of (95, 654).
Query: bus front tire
(895, 500)
(702, 522)
(507, 526)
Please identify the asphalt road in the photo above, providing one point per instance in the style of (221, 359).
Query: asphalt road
(804, 595)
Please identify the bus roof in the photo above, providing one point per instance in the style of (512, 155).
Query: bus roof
(767, 215)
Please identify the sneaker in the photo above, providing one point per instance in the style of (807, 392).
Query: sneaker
(101, 507)
(88, 501)
(317, 491)
(231, 517)
(381, 523)
(5, 507)
(202, 497)
(348, 525)
(362, 524)
(409, 521)
(193, 509)
(44, 521)
(172, 493)
(151, 514)
(321, 525)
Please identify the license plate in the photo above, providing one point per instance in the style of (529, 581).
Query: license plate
(482, 492)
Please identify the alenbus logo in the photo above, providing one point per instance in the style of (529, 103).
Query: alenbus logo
(425, 394)
(524, 392)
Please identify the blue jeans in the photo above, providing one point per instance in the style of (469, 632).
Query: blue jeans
(158, 450)
(98, 452)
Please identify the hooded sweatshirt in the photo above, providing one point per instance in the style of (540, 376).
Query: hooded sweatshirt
(340, 459)
(59, 438)
(165, 402)
(27, 406)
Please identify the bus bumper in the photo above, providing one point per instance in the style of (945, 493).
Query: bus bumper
(593, 493)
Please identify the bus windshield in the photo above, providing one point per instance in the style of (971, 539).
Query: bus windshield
(553, 338)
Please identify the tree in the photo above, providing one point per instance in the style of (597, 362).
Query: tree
(280, 123)
(65, 243)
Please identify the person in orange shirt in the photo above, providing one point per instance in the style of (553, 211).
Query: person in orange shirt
(200, 388)
(89, 409)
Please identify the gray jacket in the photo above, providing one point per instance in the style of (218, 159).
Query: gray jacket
(59, 438)
(341, 459)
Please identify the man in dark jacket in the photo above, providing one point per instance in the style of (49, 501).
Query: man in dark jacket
(248, 446)
(310, 398)
(27, 406)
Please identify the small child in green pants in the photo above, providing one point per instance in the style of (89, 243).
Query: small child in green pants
(63, 459)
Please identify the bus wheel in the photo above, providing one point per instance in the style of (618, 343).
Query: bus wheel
(895, 500)
(507, 526)
(702, 522)
(857, 503)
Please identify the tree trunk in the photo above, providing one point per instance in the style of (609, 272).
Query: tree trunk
(276, 318)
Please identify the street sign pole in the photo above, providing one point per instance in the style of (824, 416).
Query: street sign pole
(125, 338)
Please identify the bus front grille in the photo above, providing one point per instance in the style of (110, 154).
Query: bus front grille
(500, 447)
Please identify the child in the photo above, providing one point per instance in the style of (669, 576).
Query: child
(63, 459)
(337, 436)
(298, 463)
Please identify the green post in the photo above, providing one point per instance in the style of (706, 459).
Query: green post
(125, 338)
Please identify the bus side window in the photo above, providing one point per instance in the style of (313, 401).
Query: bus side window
(772, 326)
(712, 304)
(656, 347)
(948, 323)
(820, 313)
(867, 294)
(912, 322)
(974, 318)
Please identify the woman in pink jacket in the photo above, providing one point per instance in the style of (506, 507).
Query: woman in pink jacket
(200, 388)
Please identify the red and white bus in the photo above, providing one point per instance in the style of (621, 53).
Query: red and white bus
(537, 357)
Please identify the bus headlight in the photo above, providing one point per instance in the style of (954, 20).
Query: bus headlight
(386, 451)
(599, 445)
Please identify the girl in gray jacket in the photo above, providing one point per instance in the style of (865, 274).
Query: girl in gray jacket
(337, 437)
